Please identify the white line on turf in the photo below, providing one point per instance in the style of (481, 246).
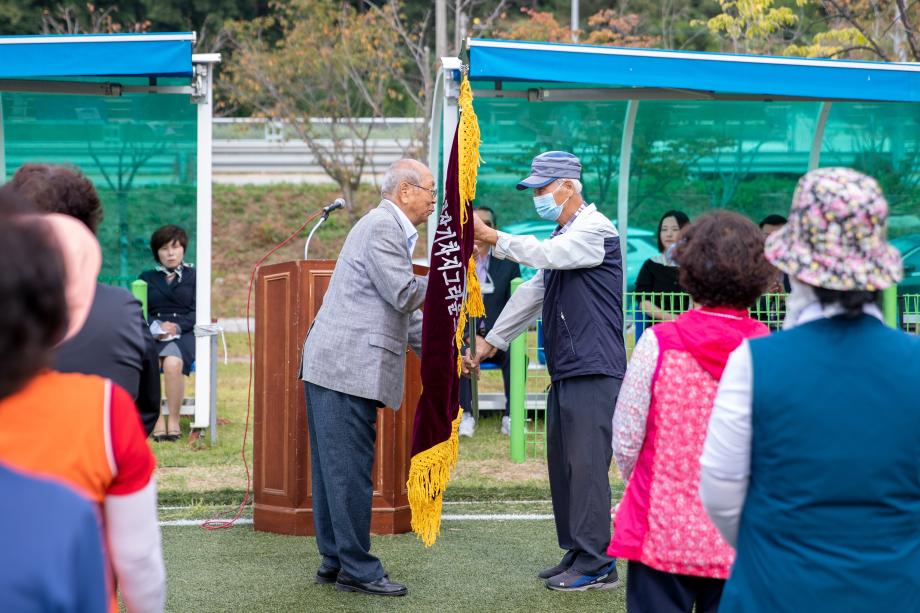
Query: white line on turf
(496, 503)
(493, 503)
(498, 517)
(197, 522)
(447, 517)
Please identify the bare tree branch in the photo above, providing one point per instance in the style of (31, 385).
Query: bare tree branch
(908, 31)
(843, 13)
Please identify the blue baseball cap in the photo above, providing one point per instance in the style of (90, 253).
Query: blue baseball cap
(549, 166)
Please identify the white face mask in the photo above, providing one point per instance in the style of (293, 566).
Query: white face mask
(546, 206)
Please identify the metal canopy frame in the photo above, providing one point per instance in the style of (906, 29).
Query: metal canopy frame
(84, 88)
(449, 78)
(199, 89)
(550, 94)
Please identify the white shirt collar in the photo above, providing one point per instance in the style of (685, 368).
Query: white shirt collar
(563, 229)
(408, 228)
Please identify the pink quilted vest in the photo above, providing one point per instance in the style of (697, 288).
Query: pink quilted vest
(660, 521)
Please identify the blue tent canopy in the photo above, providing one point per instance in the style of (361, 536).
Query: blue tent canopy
(96, 55)
(715, 73)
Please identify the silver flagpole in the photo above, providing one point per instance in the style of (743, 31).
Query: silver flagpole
(474, 381)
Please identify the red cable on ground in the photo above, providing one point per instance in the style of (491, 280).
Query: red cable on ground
(220, 524)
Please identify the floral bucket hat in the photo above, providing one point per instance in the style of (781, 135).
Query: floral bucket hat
(836, 235)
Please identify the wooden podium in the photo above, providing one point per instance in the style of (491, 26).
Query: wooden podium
(288, 296)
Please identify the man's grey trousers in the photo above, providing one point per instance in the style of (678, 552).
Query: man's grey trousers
(343, 429)
(579, 416)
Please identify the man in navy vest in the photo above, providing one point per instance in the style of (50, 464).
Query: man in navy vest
(580, 291)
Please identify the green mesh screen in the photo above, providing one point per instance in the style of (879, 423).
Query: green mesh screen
(694, 156)
(698, 156)
(139, 150)
(514, 131)
(882, 140)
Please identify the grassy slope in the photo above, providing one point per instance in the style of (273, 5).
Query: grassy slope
(251, 219)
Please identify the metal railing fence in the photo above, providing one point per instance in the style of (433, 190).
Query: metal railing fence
(530, 380)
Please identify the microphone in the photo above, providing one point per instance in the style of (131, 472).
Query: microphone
(337, 204)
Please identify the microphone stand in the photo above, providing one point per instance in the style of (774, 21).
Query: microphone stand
(306, 247)
(339, 203)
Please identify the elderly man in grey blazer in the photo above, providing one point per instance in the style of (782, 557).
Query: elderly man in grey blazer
(353, 362)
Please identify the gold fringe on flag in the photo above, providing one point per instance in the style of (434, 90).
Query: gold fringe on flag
(429, 472)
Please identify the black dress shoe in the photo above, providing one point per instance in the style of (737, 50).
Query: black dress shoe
(380, 587)
(326, 575)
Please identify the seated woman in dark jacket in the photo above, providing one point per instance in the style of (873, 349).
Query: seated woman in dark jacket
(657, 280)
(171, 313)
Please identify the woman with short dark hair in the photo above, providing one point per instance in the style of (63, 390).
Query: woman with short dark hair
(677, 560)
(171, 313)
(657, 281)
(815, 430)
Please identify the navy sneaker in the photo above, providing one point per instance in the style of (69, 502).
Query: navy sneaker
(574, 581)
(549, 573)
(565, 564)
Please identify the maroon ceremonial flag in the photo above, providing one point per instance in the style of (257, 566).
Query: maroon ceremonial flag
(434, 436)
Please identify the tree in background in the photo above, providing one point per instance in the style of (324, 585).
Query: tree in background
(865, 29)
(539, 25)
(26, 16)
(90, 19)
(120, 164)
(606, 27)
(413, 69)
(331, 66)
(753, 26)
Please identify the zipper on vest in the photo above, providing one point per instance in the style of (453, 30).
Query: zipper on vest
(569, 333)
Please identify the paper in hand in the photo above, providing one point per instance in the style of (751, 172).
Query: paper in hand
(156, 329)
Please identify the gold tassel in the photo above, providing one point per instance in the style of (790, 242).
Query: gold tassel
(429, 472)
(473, 305)
(468, 157)
(458, 338)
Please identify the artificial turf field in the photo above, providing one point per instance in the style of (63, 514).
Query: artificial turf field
(475, 566)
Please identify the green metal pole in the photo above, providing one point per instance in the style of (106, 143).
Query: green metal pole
(890, 306)
(139, 289)
(518, 391)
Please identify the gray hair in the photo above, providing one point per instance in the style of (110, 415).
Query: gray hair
(404, 170)
(575, 183)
